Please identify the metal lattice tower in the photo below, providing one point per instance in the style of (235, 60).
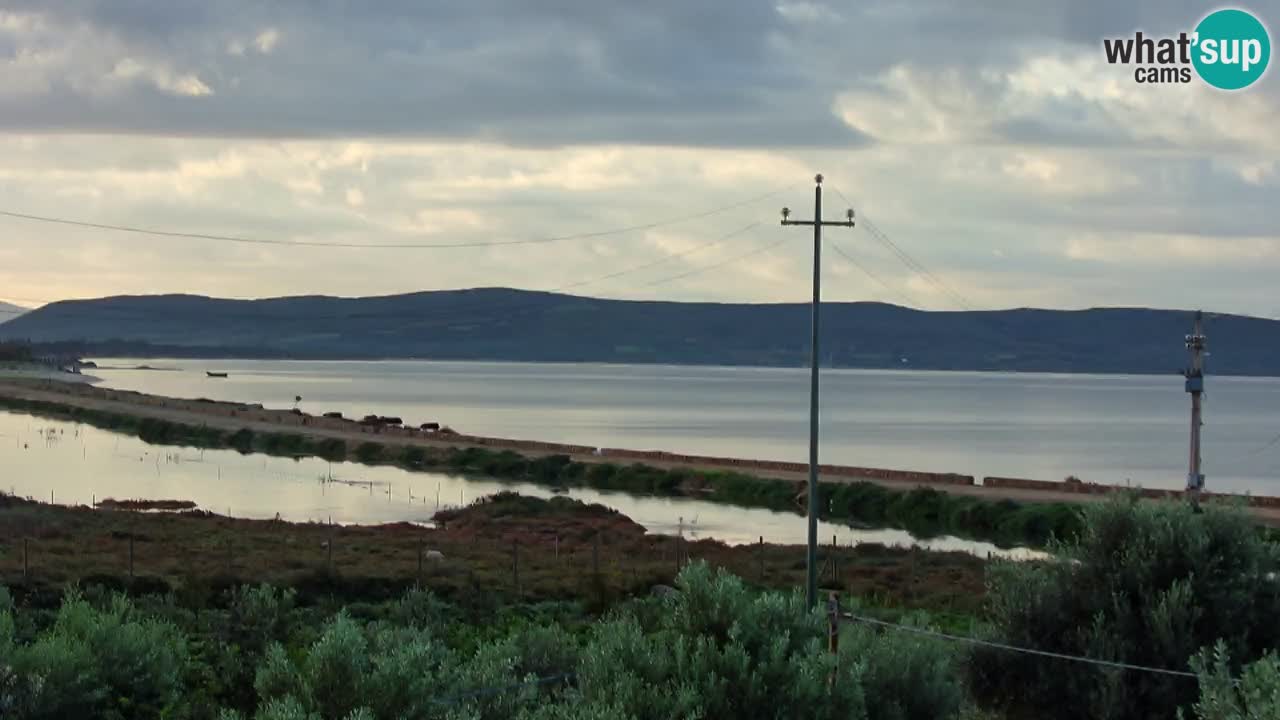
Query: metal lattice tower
(1195, 385)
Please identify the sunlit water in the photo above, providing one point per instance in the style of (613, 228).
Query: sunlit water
(1107, 429)
(77, 464)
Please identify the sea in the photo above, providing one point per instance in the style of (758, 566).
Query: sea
(1119, 429)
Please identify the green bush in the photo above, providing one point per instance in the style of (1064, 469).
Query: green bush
(1146, 583)
(719, 651)
(331, 449)
(412, 456)
(1254, 695)
(241, 440)
(368, 452)
(906, 676)
(93, 663)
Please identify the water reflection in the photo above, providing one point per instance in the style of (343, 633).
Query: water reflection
(78, 464)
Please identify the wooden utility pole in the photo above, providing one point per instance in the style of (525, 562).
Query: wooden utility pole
(811, 573)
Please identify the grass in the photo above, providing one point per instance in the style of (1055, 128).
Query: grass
(922, 511)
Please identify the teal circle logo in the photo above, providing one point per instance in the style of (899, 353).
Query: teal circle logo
(1232, 49)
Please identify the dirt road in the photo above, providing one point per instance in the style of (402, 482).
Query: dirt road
(215, 415)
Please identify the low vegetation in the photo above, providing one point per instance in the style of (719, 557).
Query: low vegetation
(1181, 603)
(923, 511)
(15, 352)
(503, 549)
(713, 649)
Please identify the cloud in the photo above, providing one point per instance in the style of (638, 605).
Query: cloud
(995, 145)
(666, 73)
(266, 40)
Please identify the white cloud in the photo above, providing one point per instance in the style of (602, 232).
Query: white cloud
(1166, 249)
(355, 198)
(807, 12)
(266, 40)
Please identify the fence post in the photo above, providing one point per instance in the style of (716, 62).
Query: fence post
(419, 561)
(760, 554)
(130, 553)
(557, 547)
(835, 563)
(911, 575)
(26, 555)
(833, 631)
(515, 566)
(331, 551)
(595, 555)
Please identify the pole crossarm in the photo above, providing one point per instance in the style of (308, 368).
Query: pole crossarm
(817, 223)
(824, 223)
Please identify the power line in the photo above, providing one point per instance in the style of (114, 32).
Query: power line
(659, 261)
(1270, 444)
(914, 264)
(1014, 648)
(713, 266)
(901, 295)
(392, 246)
(907, 259)
(516, 306)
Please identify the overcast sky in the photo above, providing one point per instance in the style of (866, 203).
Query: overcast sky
(994, 145)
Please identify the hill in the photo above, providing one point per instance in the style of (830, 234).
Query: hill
(9, 312)
(516, 325)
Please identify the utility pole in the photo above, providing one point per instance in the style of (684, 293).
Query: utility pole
(811, 563)
(1195, 385)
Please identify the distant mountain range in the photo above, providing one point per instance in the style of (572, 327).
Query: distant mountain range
(517, 325)
(9, 312)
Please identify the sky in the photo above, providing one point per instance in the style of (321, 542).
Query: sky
(989, 141)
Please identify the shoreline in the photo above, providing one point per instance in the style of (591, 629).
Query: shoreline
(234, 417)
(641, 363)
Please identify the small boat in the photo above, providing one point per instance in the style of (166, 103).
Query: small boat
(213, 374)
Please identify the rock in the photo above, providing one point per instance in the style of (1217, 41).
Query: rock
(434, 555)
(664, 591)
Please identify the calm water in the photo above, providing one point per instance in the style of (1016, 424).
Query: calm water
(1109, 429)
(79, 464)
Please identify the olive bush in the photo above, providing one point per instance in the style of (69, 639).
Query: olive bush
(105, 663)
(1254, 695)
(1145, 583)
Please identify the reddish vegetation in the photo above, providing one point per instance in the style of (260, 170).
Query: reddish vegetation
(560, 555)
(512, 517)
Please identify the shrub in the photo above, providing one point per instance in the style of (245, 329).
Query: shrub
(93, 663)
(241, 440)
(906, 676)
(1254, 696)
(1146, 583)
(412, 455)
(367, 452)
(718, 651)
